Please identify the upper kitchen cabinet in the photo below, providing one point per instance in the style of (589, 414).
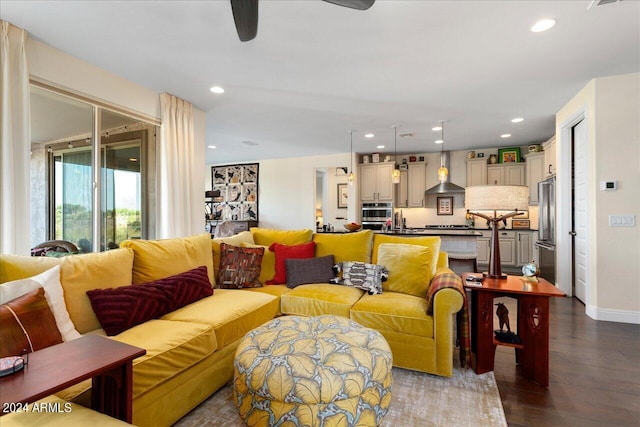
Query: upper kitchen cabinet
(506, 174)
(476, 172)
(535, 174)
(402, 191)
(550, 156)
(375, 182)
(417, 184)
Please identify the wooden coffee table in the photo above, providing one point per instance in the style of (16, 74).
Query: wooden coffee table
(107, 362)
(532, 354)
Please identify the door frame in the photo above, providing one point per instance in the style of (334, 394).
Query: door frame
(564, 244)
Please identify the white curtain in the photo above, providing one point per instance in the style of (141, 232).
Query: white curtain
(15, 142)
(176, 162)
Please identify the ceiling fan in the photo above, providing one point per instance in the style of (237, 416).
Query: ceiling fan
(245, 14)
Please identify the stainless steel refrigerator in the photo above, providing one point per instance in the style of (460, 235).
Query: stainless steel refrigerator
(546, 242)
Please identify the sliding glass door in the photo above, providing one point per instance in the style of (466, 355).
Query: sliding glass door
(93, 192)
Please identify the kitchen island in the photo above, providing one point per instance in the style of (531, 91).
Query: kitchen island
(460, 244)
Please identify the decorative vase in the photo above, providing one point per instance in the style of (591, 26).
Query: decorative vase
(493, 159)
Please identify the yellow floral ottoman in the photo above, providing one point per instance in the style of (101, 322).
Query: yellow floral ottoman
(312, 371)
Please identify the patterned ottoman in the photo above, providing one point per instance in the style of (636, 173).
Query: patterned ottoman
(312, 371)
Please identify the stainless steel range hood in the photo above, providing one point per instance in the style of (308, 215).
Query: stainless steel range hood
(446, 186)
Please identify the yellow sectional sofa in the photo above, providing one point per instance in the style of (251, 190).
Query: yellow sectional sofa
(190, 351)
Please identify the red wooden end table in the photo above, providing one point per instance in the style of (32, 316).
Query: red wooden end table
(107, 362)
(532, 354)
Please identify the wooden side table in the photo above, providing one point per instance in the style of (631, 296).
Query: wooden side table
(532, 354)
(107, 362)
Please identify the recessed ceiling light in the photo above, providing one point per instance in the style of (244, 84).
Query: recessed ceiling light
(517, 120)
(436, 128)
(211, 146)
(217, 89)
(439, 141)
(543, 25)
(380, 146)
(505, 135)
(369, 135)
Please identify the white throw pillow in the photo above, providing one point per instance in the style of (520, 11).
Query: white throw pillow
(50, 281)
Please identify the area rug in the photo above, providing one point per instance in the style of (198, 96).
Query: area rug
(418, 400)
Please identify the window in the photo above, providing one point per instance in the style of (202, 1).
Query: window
(65, 162)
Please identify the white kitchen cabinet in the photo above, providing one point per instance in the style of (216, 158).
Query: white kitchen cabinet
(476, 172)
(506, 174)
(515, 248)
(549, 156)
(402, 190)
(417, 183)
(484, 248)
(535, 174)
(525, 247)
(508, 248)
(375, 182)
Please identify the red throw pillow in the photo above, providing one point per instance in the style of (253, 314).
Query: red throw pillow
(119, 309)
(34, 328)
(284, 252)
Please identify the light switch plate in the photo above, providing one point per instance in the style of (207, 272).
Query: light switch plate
(622, 220)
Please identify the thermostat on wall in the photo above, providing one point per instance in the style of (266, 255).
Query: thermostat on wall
(608, 185)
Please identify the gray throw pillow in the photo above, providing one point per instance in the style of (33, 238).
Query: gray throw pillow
(309, 270)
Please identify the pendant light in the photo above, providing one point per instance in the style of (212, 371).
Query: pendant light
(443, 172)
(351, 175)
(395, 175)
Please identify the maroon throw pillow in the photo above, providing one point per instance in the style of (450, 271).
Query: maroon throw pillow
(119, 309)
(239, 267)
(31, 312)
(284, 252)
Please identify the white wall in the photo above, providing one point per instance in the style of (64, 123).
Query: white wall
(611, 106)
(287, 191)
(67, 72)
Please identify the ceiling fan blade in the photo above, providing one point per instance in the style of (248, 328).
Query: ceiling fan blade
(353, 4)
(245, 15)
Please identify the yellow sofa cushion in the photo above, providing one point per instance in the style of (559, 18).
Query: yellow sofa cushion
(156, 259)
(346, 246)
(231, 312)
(319, 299)
(432, 242)
(16, 267)
(409, 268)
(172, 347)
(235, 240)
(267, 236)
(78, 274)
(394, 312)
(100, 270)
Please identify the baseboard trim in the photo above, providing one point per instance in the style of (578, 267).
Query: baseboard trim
(620, 316)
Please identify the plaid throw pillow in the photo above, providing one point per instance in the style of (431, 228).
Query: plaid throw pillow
(361, 275)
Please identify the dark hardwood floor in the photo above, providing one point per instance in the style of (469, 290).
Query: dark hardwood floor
(594, 377)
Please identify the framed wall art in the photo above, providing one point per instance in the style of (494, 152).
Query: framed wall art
(343, 196)
(520, 223)
(445, 205)
(238, 186)
(509, 155)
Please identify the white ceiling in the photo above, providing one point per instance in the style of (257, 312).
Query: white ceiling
(316, 70)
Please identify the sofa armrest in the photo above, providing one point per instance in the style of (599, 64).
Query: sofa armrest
(446, 303)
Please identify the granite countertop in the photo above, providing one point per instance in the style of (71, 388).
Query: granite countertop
(434, 232)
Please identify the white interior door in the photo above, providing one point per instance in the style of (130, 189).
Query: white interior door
(580, 210)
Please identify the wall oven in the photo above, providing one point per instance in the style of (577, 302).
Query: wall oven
(375, 215)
